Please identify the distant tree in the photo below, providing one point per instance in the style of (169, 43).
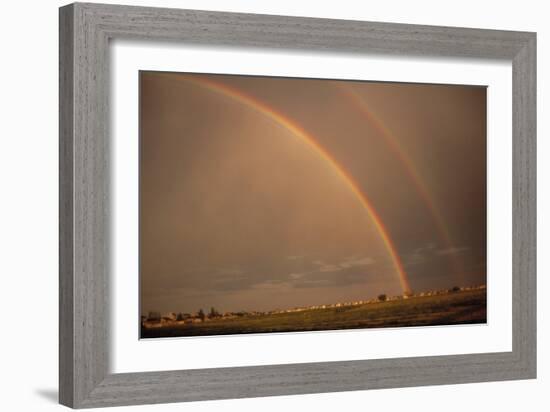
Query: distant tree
(153, 316)
(382, 297)
(201, 315)
(179, 317)
(213, 313)
(455, 289)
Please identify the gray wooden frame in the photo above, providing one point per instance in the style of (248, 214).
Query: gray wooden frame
(85, 31)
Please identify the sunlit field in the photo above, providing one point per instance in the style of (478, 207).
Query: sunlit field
(459, 307)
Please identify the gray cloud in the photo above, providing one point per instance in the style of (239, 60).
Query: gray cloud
(295, 257)
(430, 252)
(452, 250)
(345, 272)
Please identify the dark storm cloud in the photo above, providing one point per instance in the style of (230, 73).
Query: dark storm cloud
(239, 212)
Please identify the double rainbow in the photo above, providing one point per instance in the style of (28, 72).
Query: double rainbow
(296, 130)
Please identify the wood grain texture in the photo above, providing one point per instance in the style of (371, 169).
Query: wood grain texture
(85, 31)
(524, 260)
(66, 228)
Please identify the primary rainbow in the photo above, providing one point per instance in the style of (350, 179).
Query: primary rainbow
(299, 132)
(408, 165)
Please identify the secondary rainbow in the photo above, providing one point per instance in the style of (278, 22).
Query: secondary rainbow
(302, 134)
(408, 165)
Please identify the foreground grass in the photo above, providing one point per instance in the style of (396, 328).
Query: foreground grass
(462, 307)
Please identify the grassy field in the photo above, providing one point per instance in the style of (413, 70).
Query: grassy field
(449, 309)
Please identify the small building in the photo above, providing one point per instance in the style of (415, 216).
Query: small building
(170, 316)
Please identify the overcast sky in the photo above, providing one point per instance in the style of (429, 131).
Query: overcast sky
(238, 212)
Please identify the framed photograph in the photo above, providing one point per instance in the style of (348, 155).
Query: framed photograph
(244, 196)
(272, 211)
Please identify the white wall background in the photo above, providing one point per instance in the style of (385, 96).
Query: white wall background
(29, 191)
